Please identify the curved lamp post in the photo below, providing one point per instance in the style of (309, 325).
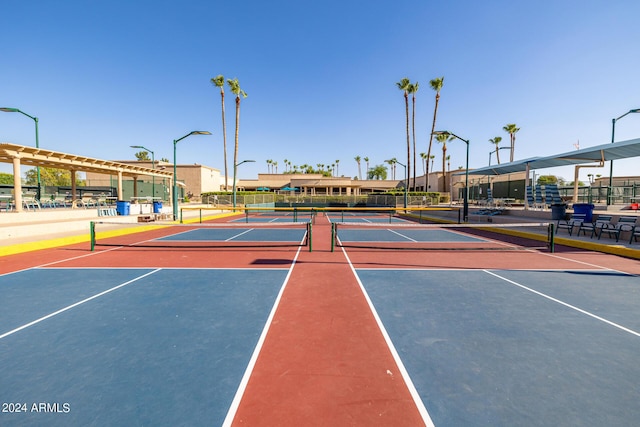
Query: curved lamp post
(495, 151)
(406, 182)
(465, 209)
(35, 119)
(235, 168)
(174, 202)
(613, 133)
(153, 166)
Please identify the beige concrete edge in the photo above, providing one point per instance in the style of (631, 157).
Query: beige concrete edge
(72, 240)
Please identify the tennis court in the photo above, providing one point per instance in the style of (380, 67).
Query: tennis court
(226, 323)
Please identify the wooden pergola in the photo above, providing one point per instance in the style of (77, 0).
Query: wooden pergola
(41, 157)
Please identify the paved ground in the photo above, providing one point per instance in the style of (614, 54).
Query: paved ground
(40, 230)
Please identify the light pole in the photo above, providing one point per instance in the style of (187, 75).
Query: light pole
(153, 166)
(235, 168)
(613, 133)
(174, 202)
(406, 183)
(35, 119)
(465, 209)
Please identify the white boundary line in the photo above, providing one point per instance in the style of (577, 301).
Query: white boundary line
(62, 310)
(403, 371)
(235, 403)
(573, 307)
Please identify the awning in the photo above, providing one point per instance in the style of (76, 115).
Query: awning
(598, 153)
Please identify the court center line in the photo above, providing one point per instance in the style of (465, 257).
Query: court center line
(62, 310)
(235, 403)
(403, 371)
(402, 235)
(238, 235)
(573, 307)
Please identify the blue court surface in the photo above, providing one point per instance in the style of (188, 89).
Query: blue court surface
(507, 348)
(123, 347)
(239, 235)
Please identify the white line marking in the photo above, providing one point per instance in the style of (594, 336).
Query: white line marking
(405, 375)
(235, 403)
(573, 307)
(402, 235)
(239, 234)
(62, 310)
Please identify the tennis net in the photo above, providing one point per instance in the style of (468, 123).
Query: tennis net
(415, 236)
(201, 235)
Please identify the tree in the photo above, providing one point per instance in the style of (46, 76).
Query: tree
(6, 178)
(377, 172)
(234, 85)
(496, 142)
(51, 177)
(547, 179)
(436, 84)
(413, 88)
(357, 159)
(219, 82)
(366, 160)
(511, 129)
(337, 168)
(423, 156)
(142, 156)
(404, 85)
(443, 138)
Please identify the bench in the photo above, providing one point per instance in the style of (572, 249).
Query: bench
(602, 222)
(146, 218)
(625, 223)
(576, 220)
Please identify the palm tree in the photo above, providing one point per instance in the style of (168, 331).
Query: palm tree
(285, 164)
(496, 142)
(436, 84)
(275, 164)
(433, 159)
(443, 138)
(423, 156)
(357, 159)
(378, 172)
(366, 160)
(413, 88)
(219, 82)
(337, 168)
(403, 85)
(234, 85)
(511, 129)
(392, 166)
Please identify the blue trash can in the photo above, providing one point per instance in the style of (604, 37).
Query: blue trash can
(157, 207)
(123, 207)
(584, 208)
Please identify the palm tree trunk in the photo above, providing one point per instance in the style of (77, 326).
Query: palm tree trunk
(224, 143)
(235, 150)
(408, 168)
(413, 128)
(433, 129)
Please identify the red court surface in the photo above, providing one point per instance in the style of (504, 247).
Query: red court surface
(324, 360)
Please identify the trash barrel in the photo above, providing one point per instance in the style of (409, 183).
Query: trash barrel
(157, 207)
(558, 211)
(584, 208)
(123, 207)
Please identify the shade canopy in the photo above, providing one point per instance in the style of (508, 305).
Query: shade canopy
(598, 153)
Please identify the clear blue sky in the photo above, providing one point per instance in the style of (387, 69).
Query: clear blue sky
(320, 77)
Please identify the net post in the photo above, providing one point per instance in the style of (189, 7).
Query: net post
(310, 236)
(459, 216)
(295, 214)
(200, 215)
(180, 215)
(333, 235)
(550, 236)
(92, 233)
(246, 216)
